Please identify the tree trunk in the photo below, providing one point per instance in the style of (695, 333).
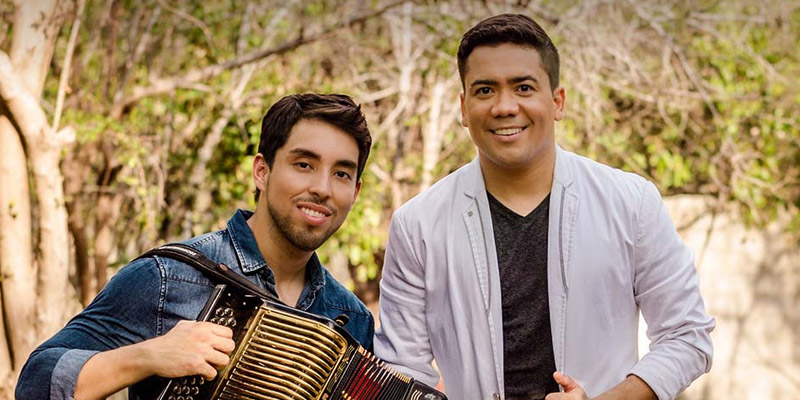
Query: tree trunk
(432, 138)
(16, 252)
(75, 168)
(34, 299)
(106, 217)
(53, 235)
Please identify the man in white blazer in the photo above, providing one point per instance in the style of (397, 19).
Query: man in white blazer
(522, 274)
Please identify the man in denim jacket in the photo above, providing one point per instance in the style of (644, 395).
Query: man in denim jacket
(307, 172)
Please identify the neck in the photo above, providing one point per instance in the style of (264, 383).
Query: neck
(287, 262)
(520, 189)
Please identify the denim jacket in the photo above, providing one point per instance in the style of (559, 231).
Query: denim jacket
(149, 296)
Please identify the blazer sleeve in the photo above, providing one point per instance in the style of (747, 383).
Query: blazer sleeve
(666, 288)
(402, 336)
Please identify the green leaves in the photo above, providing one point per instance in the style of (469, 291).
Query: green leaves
(700, 98)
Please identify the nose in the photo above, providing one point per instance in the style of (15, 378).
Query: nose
(506, 105)
(321, 185)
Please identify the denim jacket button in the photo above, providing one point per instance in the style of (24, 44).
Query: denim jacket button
(496, 396)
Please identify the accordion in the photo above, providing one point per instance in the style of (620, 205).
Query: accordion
(283, 353)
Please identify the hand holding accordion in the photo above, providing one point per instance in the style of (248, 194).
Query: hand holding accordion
(284, 353)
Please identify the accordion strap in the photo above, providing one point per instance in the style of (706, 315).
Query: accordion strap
(216, 272)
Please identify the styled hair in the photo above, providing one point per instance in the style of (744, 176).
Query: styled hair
(338, 110)
(510, 28)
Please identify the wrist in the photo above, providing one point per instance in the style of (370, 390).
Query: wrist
(110, 371)
(142, 360)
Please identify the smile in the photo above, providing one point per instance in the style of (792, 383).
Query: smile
(312, 213)
(507, 131)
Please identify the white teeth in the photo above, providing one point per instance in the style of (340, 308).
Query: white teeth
(312, 213)
(507, 132)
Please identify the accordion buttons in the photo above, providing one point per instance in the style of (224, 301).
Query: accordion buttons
(223, 316)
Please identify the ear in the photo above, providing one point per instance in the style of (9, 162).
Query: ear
(559, 97)
(260, 172)
(358, 190)
(463, 112)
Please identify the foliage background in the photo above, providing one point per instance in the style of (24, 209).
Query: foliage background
(166, 98)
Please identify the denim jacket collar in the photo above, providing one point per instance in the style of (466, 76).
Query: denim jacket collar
(244, 243)
(251, 261)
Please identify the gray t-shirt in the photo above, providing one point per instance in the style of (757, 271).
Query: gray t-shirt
(521, 243)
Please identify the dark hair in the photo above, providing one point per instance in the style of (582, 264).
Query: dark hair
(338, 110)
(510, 28)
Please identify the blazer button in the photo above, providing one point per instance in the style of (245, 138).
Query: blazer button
(496, 396)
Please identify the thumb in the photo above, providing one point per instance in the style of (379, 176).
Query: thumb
(566, 382)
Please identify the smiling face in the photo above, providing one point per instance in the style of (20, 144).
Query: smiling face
(509, 108)
(311, 186)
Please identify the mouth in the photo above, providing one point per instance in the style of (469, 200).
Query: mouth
(313, 213)
(507, 131)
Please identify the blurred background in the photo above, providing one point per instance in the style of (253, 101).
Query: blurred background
(126, 124)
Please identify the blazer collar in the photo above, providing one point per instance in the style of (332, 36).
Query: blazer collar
(475, 186)
(562, 173)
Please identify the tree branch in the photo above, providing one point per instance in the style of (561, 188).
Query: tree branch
(26, 111)
(194, 21)
(160, 86)
(63, 80)
(684, 62)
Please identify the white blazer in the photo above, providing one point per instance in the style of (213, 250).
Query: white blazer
(612, 250)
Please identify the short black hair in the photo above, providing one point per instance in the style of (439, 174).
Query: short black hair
(510, 28)
(338, 110)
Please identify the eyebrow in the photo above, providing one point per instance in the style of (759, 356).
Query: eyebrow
(301, 152)
(516, 79)
(520, 79)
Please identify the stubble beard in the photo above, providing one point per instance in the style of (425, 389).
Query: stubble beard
(298, 236)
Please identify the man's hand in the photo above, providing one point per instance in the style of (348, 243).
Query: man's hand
(632, 388)
(572, 390)
(190, 348)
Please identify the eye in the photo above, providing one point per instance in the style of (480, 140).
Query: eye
(302, 165)
(343, 175)
(525, 88)
(483, 91)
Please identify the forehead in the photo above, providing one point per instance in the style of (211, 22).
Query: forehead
(503, 61)
(323, 138)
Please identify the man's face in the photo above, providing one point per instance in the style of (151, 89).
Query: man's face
(312, 184)
(509, 107)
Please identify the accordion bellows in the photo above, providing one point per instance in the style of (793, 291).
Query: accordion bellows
(286, 354)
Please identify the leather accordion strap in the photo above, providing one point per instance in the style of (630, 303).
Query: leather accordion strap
(216, 272)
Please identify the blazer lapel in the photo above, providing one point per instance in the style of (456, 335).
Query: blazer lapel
(564, 205)
(476, 218)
